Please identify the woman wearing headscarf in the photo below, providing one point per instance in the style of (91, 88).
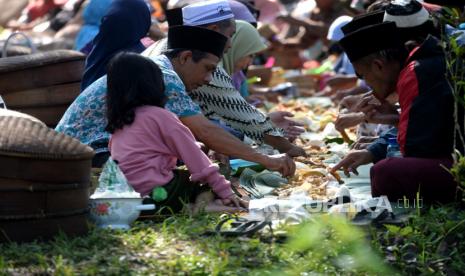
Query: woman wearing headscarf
(242, 12)
(238, 58)
(221, 101)
(122, 28)
(92, 16)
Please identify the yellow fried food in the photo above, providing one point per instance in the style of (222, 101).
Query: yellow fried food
(312, 172)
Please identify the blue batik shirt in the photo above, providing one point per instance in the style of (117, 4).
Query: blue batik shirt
(179, 102)
(86, 119)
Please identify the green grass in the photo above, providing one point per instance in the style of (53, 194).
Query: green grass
(430, 244)
(177, 247)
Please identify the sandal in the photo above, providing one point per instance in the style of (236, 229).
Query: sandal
(384, 216)
(239, 227)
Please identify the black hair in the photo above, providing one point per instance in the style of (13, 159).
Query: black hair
(133, 81)
(196, 54)
(398, 55)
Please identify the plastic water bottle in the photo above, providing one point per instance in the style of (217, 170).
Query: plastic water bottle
(393, 149)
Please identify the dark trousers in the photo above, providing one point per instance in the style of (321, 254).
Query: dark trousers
(399, 177)
(180, 191)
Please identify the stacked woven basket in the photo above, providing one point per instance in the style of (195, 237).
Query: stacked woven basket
(44, 180)
(42, 85)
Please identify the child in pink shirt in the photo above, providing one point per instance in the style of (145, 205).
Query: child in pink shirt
(147, 140)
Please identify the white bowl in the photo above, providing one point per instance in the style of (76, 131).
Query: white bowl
(116, 213)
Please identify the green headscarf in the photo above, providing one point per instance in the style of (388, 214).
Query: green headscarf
(246, 41)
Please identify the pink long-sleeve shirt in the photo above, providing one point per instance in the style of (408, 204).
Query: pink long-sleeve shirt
(148, 149)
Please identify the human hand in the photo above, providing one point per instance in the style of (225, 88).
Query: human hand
(349, 102)
(293, 132)
(352, 161)
(236, 201)
(384, 108)
(327, 91)
(348, 120)
(363, 142)
(356, 90)
(296, 151)
(292, 129)
(377, 112)
(340, 94)
(281, 163)
(376, 117)
(367, 104)
(222, 158)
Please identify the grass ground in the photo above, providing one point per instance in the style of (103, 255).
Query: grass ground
(432, 243)
(177, 247)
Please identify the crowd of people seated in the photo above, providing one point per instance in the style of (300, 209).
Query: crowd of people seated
(165, 82)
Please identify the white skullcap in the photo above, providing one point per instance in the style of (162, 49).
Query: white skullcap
(206, 12)
(406, 13)
(335, 32)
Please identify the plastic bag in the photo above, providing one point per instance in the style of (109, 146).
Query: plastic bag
(113, 183)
